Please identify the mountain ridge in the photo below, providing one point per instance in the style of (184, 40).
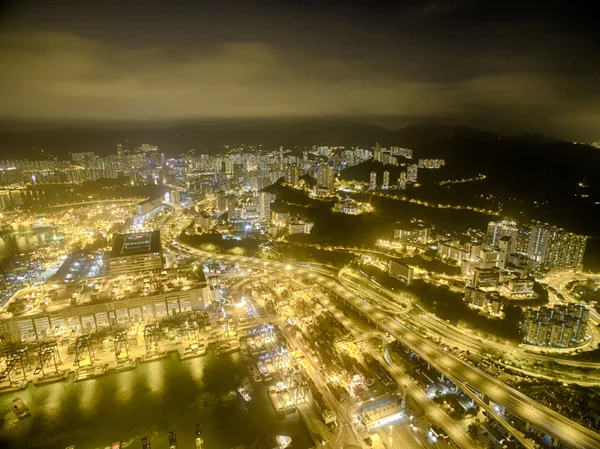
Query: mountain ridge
(213, 134)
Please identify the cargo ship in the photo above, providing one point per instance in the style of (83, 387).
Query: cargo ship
(19, 407)
(89, 373)
(281, 400)
(120, 366)
(263, 371)
(15, 386)
(192, 351)
(227, 347)
(255, 374)
(51, 378)
(270, 367)
(153, 357)
(251, 345)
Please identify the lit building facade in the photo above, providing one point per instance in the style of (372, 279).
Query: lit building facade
(402, 181)
(373, 180)
(498, 229)
(386, 180)
(554, 248)
(561, 326)
(92, 318)
(412, 172)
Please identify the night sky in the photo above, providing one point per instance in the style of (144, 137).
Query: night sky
(507, 66)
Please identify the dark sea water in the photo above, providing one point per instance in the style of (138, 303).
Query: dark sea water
(152, 399)
(24, 243)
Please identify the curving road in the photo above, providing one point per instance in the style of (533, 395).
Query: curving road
(542, 417)
(460, 337)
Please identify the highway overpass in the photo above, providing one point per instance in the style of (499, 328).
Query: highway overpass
(545, 419)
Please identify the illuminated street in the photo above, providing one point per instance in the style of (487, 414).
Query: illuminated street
(299, 225)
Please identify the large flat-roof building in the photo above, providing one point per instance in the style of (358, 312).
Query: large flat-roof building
(381, 415)
(115, 301)
(138, 251)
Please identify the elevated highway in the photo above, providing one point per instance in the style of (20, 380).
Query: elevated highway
(543, 418)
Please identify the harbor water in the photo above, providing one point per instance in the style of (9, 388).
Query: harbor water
(152, 399)
(24, 242)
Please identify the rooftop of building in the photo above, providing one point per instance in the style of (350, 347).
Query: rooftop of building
(100, 290)
(136, 243)
(382, 412)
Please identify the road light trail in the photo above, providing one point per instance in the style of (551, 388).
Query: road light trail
(537, 414)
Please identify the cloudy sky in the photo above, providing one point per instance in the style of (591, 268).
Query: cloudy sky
(507, 66)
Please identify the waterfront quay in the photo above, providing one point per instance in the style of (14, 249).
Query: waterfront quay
(188, 364)
(151, 400)
(83, 356)
(293, 358)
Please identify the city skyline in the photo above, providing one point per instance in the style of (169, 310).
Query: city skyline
(292, 224)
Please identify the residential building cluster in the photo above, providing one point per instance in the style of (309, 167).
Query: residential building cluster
(431, 163)
(517, 248)
(409, 176)
(284, 222)
(390, 155)
(546, 246)
(559, 326)
(144, 164)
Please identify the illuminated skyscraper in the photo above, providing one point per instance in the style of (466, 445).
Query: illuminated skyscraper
(411, 173)
(221, 203)
(498, 229)
(326, 176)
(402, 181)
(504, 244)
(292, 174)
(373, 180)
(264, 206)
(386, 180)
(553, 247)
(228, 166)
(523, 236)
(281, 163)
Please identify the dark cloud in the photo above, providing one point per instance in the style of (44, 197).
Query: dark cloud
(522, 69)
